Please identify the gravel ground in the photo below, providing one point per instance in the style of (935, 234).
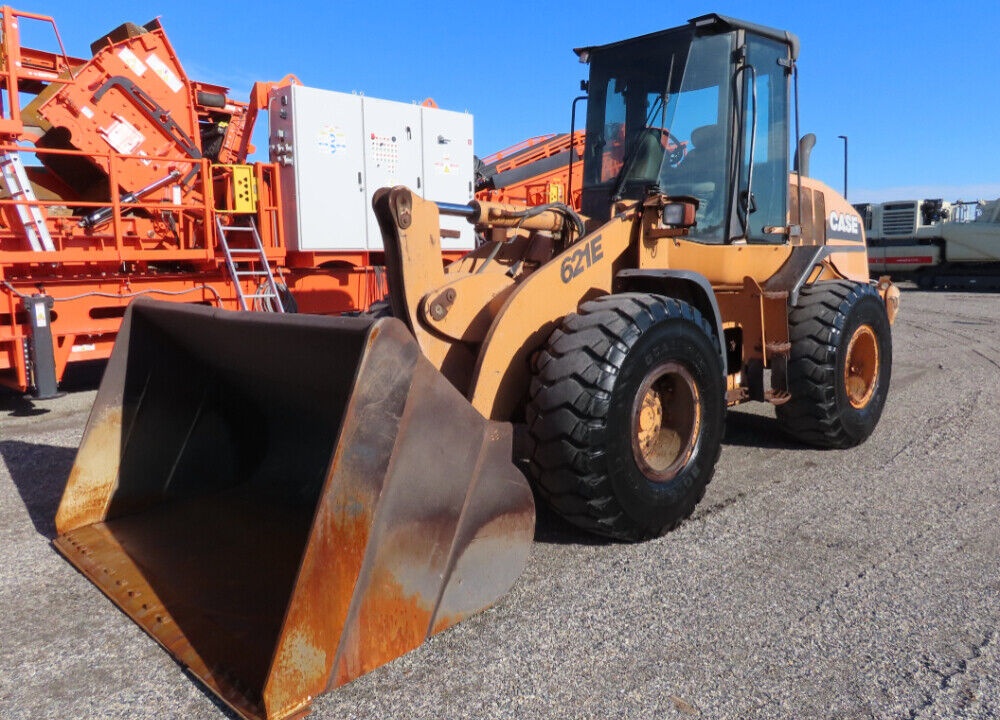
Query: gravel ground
(808, 584)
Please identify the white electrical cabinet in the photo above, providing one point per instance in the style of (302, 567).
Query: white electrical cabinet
(335, 150)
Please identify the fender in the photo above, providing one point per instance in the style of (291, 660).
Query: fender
(686, 285)
(583, 271)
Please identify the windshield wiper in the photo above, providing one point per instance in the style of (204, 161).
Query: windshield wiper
(626, 168)
(628, 160)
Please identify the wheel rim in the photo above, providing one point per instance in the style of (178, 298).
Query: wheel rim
(861, 367)
(666, 421)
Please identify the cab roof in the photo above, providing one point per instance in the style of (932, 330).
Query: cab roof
(711, 23)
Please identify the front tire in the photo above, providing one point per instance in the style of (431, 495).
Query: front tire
(626, 414)
(840, 364)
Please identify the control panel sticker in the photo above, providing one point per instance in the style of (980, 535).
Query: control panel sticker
(385, 152)
(446, 166)
(331, 139)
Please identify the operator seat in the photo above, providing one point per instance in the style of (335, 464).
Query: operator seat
(702, 174)
(705, 159)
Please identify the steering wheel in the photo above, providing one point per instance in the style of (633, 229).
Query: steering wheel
(675, 150)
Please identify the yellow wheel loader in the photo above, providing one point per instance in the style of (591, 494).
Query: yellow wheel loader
(285, 503)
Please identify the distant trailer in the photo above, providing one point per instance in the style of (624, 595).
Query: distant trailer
(935, 243)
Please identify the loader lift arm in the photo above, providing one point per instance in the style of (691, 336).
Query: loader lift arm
(506, 314)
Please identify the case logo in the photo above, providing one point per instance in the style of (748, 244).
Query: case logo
(845, 223)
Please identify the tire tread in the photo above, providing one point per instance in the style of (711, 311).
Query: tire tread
(816, 324)
(567, 407)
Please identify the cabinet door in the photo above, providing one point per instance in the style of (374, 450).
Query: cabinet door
(328, 162)
(448, 171)
(392, 153)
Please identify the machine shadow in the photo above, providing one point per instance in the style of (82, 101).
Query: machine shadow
(79, 377)
(551, 529)
(40, 473)
(744, 429)
(15, 404)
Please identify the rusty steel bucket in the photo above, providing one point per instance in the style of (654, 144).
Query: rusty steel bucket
(287, 502)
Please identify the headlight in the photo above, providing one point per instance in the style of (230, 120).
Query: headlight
(677, 214)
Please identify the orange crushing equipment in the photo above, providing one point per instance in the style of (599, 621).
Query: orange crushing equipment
(536, 171)
(122, 177)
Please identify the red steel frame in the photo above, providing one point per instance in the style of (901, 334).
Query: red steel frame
(93, 276)
(162, 244)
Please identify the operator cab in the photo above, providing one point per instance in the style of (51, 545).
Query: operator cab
(701, 110)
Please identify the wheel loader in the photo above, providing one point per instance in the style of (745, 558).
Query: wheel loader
(287, 502)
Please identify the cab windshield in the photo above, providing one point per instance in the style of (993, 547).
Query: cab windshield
(660, 113)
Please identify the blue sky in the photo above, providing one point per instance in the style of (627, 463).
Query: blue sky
(912, 84)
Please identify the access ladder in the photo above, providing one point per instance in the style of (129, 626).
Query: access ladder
(15, 179)
(247, 260)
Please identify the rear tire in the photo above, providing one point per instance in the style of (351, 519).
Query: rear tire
(840, 364)
(626, 414)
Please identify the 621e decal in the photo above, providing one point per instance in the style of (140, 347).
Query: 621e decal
(581, 259)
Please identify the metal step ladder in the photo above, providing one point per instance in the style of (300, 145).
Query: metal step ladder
(247, 260)
(15, 179)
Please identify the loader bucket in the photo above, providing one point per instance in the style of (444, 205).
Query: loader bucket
(286, 502)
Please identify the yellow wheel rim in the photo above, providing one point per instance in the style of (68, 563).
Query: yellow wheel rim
(666, 421)
(861, 367)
